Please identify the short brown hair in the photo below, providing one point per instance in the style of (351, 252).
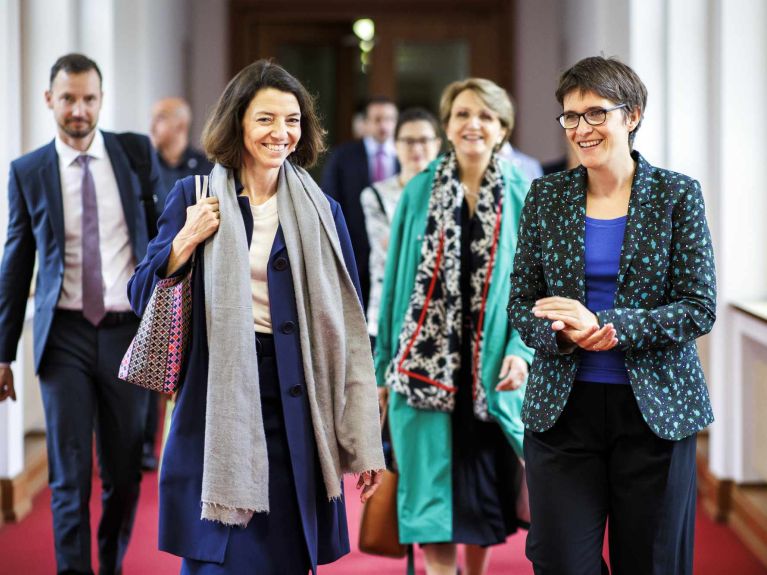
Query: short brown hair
(488, 91)
(416, 114)
(222, 135)
(609, 78)
(74, 64)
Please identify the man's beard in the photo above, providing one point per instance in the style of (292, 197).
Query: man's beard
(78, 133)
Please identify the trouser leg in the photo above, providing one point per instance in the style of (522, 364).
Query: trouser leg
(121, 415)
(67, 390)
(652, 495)
(567, 481)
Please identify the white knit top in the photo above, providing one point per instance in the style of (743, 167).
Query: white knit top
(265, 224)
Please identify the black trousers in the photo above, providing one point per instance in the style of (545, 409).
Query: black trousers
(600, 463)
(82, 395)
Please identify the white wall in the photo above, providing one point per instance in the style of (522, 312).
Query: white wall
(11, 414)
(538, 50)
(739, 148)
(209, 50)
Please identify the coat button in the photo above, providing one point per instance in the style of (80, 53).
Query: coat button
(280, 264)
(288, 327)
(296, 390)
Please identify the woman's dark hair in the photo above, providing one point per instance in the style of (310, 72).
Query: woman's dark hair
(416, 114)
(222, 135)
(74, 64)
(609, 78)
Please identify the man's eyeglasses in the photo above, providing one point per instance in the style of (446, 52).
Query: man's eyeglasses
(570, 120)
(412, 142)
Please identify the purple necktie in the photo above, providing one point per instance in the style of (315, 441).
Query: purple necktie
(93, 285)
(378, 168)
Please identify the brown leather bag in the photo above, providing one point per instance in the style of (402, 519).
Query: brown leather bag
(379, 534)
(379, 531)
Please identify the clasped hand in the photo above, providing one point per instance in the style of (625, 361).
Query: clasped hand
(575, 324)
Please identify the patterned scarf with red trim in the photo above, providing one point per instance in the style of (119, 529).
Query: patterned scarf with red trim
(429, 355)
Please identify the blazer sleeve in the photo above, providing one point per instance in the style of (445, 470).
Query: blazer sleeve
(329, 183)
(528, 283)
(152, 267)
(16, 270)
(692, 309)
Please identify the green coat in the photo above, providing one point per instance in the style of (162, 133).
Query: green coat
(422, 439)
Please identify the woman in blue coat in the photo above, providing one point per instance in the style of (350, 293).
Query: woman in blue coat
(278, 399)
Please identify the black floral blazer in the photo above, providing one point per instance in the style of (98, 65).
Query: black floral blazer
(665, 297)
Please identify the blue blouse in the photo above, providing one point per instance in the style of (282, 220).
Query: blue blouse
(602, 242)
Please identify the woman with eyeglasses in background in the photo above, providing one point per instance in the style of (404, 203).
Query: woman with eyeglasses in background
(613, 281)
(417, 142)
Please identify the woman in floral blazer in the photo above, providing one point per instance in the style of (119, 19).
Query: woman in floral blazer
(613, 281)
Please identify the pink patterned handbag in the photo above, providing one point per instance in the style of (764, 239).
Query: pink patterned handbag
(155, 357)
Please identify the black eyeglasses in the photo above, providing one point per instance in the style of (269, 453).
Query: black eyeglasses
(570, 120)
(412, 142)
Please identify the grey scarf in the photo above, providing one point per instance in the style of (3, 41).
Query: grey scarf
(335, 352)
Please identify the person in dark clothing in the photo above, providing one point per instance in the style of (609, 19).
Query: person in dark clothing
(353, 166)
(171, 119)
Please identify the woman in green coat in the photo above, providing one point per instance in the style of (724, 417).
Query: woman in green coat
(455, 368)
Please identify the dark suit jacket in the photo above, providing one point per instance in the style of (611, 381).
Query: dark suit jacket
(36, 224)
(182, 532)
(345, 175)
(665, 297)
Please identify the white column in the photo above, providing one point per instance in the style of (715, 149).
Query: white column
(49, 30)
(648, 57)
(535, 78)
(11, 414)
(737, 139)
(209, 59)
(596, 28)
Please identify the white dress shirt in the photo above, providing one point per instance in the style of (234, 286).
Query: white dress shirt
(389, 157)
(265, 224)
(117, 261)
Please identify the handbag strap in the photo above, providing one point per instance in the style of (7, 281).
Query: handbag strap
(200, 191)
(200, 187)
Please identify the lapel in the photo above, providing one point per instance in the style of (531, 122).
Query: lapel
(247, 217)
(50, 181)
(127, 183)
(638, 204)
(279, 243)
(573, 231)
(362, 162)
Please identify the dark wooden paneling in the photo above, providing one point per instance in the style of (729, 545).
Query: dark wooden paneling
(485, 24)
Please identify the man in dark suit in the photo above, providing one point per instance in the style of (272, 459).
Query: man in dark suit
(76, 204)
(353, 166)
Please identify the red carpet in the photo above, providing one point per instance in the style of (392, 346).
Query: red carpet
(27, 548)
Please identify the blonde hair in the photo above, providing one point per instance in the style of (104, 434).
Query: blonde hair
(493, 96)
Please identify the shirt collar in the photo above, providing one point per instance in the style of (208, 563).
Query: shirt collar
(371, 146)
(68, 155)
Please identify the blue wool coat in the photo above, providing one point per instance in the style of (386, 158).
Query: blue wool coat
(182, 532)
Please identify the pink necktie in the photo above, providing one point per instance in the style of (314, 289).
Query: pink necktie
(379, 172)
(93, 284)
